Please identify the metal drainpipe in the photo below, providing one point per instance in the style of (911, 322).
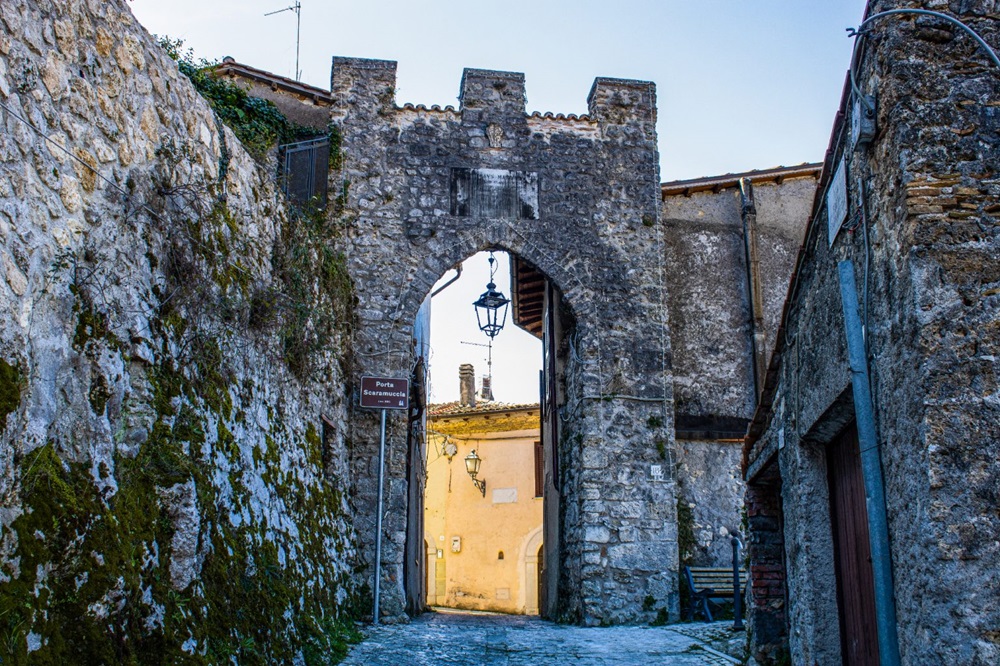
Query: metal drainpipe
(737, 587)
(871, 470)
(748, 212)
(458, 273)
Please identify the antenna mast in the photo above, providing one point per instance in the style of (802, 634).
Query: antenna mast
(489, 362)
(297, 8)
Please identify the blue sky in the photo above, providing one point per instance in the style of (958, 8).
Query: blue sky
(742, 85)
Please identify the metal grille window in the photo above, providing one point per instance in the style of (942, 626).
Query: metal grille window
(304, 169)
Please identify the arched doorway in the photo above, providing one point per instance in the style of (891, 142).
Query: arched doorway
(532, 560)
(483, 398)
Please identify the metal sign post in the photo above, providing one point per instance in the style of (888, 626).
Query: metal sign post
(383, 393)
(378, 521)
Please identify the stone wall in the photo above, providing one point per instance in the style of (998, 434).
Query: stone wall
(711, 334)
(711, 488)
(930, 189)
(170, 488)
(709, 303)
(577, 198)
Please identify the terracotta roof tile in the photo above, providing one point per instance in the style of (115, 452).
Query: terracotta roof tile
(482, 407)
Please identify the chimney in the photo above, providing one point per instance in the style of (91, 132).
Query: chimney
(467, 385)
(487, 392)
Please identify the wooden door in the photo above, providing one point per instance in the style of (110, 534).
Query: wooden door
(852, 552)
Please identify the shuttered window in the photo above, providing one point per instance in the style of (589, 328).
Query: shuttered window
(539, 469)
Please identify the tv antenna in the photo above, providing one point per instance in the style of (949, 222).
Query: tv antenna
(297, 8)
(489, 360)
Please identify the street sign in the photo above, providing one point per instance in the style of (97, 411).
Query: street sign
(385, 392)
(382, 393)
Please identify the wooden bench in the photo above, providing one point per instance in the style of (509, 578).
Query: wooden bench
(711, 585)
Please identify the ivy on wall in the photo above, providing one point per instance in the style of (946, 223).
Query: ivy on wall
(257, 123)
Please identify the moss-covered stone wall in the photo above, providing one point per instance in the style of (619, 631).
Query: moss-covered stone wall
(172, 470)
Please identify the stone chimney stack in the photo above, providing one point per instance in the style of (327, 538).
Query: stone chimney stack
(467, 385)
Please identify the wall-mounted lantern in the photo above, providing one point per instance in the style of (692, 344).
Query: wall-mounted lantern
(472, 462)
(491, 307)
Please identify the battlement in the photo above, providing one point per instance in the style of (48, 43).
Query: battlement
(343, 64)
(488, 95)
(354, 80)
(622, 100)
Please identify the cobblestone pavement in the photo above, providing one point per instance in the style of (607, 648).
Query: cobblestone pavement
(510, 640)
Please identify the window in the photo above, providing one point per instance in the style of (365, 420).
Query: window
(305, 168)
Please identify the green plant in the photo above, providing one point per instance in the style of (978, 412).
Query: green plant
(327, 640)
(661, 448)
(99, 393)
(685, 532)
(10, 390)
(257, 123)
(315, 297)
(336, 143)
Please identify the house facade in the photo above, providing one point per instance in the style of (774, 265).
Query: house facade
(872, 460)
(484, 542)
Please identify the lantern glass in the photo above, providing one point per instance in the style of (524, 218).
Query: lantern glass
(491, 310)
(472, 462)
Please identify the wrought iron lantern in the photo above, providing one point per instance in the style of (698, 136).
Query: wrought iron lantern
(472, 462)
(491, 307)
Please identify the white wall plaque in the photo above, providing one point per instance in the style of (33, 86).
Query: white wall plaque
(836, 202)
(504, 495)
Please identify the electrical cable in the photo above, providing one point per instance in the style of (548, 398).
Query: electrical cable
(572, 349)
(858, 35)
(861, 30)
(607, 397)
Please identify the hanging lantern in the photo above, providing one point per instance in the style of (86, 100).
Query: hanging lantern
(491, 307)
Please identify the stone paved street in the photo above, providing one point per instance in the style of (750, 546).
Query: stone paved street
(463, 638)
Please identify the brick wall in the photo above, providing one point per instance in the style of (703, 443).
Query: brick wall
(767, 612)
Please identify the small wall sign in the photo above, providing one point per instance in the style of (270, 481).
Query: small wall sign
(385, 392)
(836, 202)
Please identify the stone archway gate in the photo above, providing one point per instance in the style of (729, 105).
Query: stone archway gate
(421, 189)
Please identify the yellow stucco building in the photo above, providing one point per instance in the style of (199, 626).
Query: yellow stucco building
(483, 543)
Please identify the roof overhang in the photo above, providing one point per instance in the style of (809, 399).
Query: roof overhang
(527, 296)
(731, 180)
